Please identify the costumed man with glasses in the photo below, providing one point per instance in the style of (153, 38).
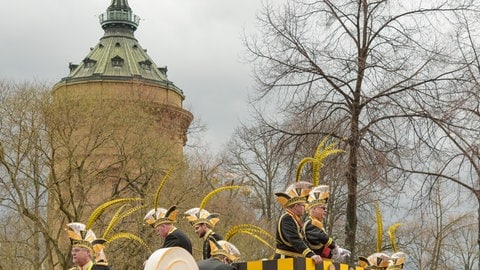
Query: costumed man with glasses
(85, 248)
(315, 234)
(290, 240)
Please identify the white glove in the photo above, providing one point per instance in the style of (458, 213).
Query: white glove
(340, 254)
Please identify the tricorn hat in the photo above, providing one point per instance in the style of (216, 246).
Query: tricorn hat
(295, 193)
(363, 262)
(398, 260)
(318, 196)
(198, 216)
(80, 236)
(225, 248)
(159, 216)
(379, 260)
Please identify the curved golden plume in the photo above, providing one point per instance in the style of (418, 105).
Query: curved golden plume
(215, 191)
(162, 183)
(119, 216)
(321, 153)
(114, 221)
(129, 236)
(252, 230)
(249, 227)
(391, 234)
(379, 227)
(100, 209)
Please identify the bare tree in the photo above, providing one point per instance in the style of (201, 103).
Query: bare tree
(24, 172)
(364, 66)
(433, 232)
(451, 151)
(103, 148)
(463, 240)
(60, 160)
(260, 160)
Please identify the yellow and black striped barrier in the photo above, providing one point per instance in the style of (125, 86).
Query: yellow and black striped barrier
(294, 264)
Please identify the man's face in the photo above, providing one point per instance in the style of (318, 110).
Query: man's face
(299, 209)
(162, 230)
(201, 229)
(80, 256)
(319, 212)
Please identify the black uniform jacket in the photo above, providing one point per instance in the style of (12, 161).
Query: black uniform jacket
(100, 267)
(177, 238)
(317, 238)
(290, 240)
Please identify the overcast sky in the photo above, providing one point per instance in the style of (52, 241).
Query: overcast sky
(200, 41)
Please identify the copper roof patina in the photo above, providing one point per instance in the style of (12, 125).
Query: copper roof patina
(118, 55)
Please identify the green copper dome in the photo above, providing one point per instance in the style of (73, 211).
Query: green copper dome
(118, 55)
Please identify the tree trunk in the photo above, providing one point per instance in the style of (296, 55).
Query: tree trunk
(351, 175)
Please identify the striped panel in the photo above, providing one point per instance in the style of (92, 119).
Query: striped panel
(283, 264)
(294, 264)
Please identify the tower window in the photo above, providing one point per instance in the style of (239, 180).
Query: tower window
(147, 64)
(117, 61)
(88, 63)
(117, 44)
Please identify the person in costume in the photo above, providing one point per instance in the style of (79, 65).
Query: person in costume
(203, 223)
(88, 250)
(84, 248)
(162, 221)
(315, 234)
(223, 254)
(290, 240)
(82, 258)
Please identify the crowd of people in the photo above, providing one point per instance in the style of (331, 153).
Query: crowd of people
(299, 233)
(216, 253)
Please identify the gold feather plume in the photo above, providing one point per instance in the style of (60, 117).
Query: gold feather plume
(302, 164)
(162, 183)
(391, 234)
(379, 227)
(257, 237)
(251, 230)
(321, 153)
(130, 236)
(119, 216)
(100, 209)
(113, 221)
(215, 191)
